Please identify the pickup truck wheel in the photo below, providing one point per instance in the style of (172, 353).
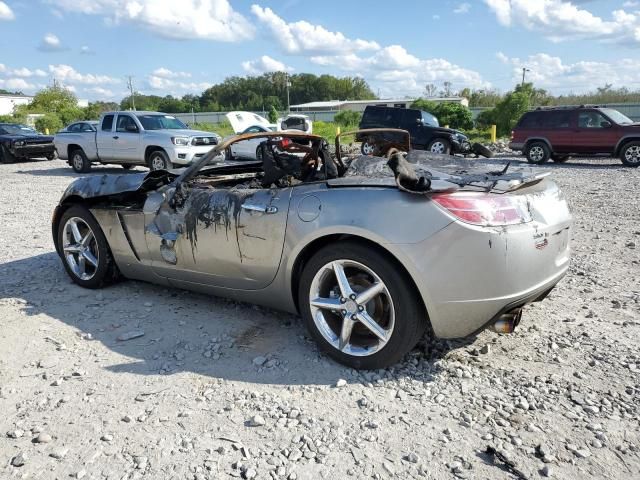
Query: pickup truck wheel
(538, 153)
(630, 154)
(79, 162)
(358, 307)
(440, 145)
(367, 148)
(159, 160)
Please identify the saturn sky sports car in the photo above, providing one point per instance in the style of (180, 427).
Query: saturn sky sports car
(372, 252)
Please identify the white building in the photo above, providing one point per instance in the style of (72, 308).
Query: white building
(8, 102)
(360, 105)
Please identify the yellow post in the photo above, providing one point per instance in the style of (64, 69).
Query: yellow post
(446, 126)
(337, 131)
(494, 133)
(46, 131)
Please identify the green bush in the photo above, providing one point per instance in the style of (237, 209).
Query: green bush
(6, 119)
(273, 114)
(347, 118)
(453, 114)
(49, 121)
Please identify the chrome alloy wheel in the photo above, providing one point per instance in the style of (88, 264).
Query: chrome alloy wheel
(368, 148)
(632, 155)
(78, 162)
(536, 153)
(438, 147)
(80, 248)
(157, 163)
(352, 307)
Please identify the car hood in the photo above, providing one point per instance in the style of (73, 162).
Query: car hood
(240, 121)
(29, 138)
(447, 131)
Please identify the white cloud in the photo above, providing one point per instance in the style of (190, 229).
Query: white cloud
(51, 43)
(69, 76)
(101, 92)
(5, 12)
(462, 8)
(184, 20)
(550, 72)
(264, 64)
(560, 20)
(305, 38)
(86, 50)
(18, 84)
(166, 73)
(173, 86)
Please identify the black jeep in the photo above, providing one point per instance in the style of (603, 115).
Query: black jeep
(424, 129)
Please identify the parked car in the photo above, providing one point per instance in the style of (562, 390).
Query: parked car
(21, 142)
(557, 133)
(371, 254)
(249, 122)
(154, 139)
(425, 131)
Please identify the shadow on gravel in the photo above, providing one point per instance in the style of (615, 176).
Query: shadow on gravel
(186, 332)
(595, 163)
(68, 172)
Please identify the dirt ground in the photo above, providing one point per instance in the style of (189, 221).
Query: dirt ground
(216, 389)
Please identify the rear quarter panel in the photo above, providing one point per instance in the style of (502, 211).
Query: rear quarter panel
(85, 140)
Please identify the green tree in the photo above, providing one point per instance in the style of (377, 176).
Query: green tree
(509, 110)
(49, 122)
(54, 100)
(347, 118)
(273, 115)
(453, 114)
(95, 109)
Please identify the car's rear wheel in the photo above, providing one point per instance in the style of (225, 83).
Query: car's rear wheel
(84, 250)
(367, 148)
(79, 161)
(159, 160)
(630, 154)
(440, 145)
(538, 153)
(560, 158)
(259, 152)
(359, 307)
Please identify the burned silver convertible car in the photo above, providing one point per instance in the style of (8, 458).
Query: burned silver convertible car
(371, 251)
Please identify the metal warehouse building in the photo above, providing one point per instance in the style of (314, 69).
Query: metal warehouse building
(360, 105)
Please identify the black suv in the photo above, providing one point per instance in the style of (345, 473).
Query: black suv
(424, 129)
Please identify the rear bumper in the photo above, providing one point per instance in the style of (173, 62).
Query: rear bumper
(468, 275)
(38, 150)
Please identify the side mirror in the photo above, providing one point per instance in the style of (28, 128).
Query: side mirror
(131, 128)
(605, 124)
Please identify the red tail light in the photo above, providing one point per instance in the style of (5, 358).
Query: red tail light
(285, 142)
(485, 209)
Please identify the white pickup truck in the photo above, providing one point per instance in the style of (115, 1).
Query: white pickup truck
(154, 139)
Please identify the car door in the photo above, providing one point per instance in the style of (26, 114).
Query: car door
(558, 127)
(594, 133)
(127, 139)
(218, 236)
(104, 137)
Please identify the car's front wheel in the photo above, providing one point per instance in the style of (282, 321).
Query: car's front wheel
(367, 148)
(84, 249)
(79, 161)
(359, 307)
(630, 154)
(159, 160)
(440, 145)
(538, 153)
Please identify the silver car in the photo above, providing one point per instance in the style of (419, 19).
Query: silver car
(372, 252)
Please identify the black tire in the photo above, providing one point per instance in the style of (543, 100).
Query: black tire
(538, 153)
(559, 158)
(6, 156)
(159, 160)
(630, 154)
(52, 156)
(259, 152)
(410, 315)
(79, 161)
(127, 166)
(367, 147)
(481, 150)
(442, 145)
(106, 271)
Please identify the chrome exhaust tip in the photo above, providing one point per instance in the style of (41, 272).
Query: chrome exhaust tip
(507, 322)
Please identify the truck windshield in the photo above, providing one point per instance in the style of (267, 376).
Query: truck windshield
(616, 116)
(160, 122)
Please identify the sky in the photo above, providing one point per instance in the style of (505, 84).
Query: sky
(177, 47)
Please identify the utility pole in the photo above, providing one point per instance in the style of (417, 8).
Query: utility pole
(524, 74)
(133, 95)
(288, 83)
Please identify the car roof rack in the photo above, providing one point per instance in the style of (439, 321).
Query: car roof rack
(569, 107)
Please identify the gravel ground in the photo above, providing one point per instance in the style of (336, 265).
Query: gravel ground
(217, 389)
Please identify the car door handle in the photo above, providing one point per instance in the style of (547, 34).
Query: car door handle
(260, 208)
(116, 137)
